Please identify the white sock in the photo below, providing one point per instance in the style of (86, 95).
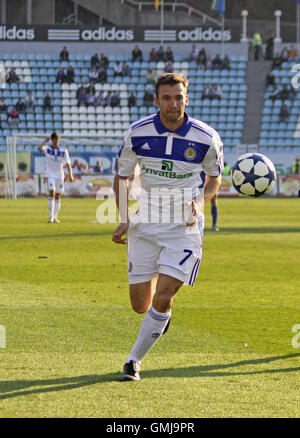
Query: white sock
(56, 208)
(51, 207)
(151, 330)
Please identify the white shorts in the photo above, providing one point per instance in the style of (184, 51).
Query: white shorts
(152, 251)
(55, 184)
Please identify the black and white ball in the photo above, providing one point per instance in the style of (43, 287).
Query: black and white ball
(253, 175)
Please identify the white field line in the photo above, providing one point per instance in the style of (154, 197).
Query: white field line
(99, 307)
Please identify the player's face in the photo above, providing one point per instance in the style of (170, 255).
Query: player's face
(172, 100)
(55, 142)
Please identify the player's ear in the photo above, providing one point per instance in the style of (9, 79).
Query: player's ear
(156, 101)
(187, 100)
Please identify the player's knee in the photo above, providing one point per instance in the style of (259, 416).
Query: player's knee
(140, 307)
(164, 299)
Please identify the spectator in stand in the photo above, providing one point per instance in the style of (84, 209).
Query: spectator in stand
(296, 166)
(93, 75)
(80, 89)
(100, 99)
(148, 97)
(3, 106)
(132, 99)
(20, 105)
(102, 75)
(90, 88)
(103, 61)
(169, 68)
(201, 61)
(270, 48)
(70, 75)
(99, 167)
(206, 93)
(29, 99)
(284, 54)
(81, 96)
(60, 76)
(160, 54)
(108, 99)
(202, 56)
(91, 99)
(293, 53)
(277, 61)
(12, 77)
(226, 63)
(137, 54)
(209, 63)
(257, 44)
(64, 54)
(217, 63)
(284, 113)
(270, 78)
(47, 105)
(193, 54)
(169, 55)
(126, 70)
(95, 61)
(151, 76)
(13, 117)
(117, 69)
(216, 92)
(153, 55)
(115, 99)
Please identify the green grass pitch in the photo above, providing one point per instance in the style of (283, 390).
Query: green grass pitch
(230, 350)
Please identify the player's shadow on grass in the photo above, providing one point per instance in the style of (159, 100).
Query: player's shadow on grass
(97, 233)
(17, 388)
(214, 370)
(255, 230)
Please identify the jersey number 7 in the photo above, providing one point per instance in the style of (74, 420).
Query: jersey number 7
(189, 253)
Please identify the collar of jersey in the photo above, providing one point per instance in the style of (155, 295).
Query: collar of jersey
(182, 131)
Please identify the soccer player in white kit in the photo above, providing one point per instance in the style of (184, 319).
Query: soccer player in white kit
(56, 158)
(170, 149)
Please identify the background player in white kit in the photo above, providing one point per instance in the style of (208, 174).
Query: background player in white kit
(171, 149)
(56, 158)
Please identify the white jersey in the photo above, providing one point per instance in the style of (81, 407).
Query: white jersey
(56, 158)
(170, 159)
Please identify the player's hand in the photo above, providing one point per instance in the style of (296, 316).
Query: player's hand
(119, 232)
(194, 216)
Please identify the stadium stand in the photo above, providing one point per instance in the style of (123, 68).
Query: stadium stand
(37, 72)
(276, 133)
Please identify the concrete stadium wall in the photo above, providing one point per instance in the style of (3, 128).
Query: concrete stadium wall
(180, 49)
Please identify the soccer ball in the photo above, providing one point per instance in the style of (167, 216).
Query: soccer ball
(253, 175)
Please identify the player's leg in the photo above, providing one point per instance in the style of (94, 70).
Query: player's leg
(214, 212)
(154, 323)
(59, 186)
(51, 196)
(141, 295)
(56, 207)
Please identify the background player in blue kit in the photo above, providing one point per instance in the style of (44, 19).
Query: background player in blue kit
(56, 158)
(170, 149)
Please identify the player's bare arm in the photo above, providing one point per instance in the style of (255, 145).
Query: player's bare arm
(121, 192)
(69, 168)
(211, 186)
(40, 147)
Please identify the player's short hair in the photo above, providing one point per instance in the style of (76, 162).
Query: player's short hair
(55, 135)
(171, 79)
